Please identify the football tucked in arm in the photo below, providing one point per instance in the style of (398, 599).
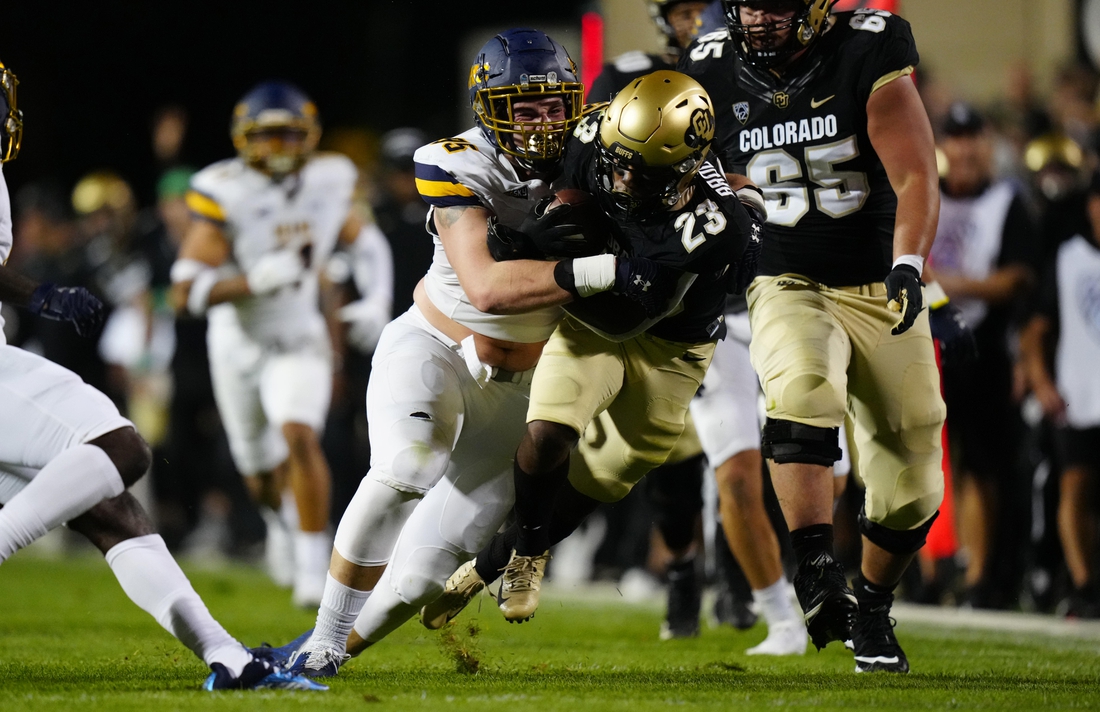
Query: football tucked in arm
(568, 224)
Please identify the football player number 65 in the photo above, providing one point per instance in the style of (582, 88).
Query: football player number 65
(778, 172)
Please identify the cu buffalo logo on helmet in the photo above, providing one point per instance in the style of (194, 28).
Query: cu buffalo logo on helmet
(702, 125)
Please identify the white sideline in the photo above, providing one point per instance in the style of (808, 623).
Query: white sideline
(1002, 621)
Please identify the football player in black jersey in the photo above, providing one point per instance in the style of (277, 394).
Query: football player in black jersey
(677, 22)
(817, 110)
(647, 158)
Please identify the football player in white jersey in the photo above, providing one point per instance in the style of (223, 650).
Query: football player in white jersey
(450, 380)
(67, 455)
(269, 220)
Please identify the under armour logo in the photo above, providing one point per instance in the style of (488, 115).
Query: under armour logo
(644, 284)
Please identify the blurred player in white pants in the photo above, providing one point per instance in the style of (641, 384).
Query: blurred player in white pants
(726, 419)
(269, 220)
(67, 455)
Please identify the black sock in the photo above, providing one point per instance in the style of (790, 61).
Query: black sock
(810, 541)
(535, 497)
(494, 557)
(865, 590)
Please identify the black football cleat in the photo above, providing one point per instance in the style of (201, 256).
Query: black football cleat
(731, 609)
(828, 605)
(873, 640)
(685, 598)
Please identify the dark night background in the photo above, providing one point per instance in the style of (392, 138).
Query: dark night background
(93, 73)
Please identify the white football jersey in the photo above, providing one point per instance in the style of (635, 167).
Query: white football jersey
(468, 170)
(5, 236)
(304, 211)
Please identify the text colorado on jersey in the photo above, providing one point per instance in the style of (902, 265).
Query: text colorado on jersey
(787, 132)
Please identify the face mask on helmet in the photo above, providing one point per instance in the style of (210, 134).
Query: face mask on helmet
(11, 118)
(767, 33)
(275, 128)
(526, 97)
(653, 138)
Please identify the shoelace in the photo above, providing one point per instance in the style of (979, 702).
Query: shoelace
(520, 572)
(320, 659)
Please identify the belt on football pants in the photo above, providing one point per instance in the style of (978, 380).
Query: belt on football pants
(504, 376)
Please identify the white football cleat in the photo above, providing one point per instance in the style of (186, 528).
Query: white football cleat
(785, 638)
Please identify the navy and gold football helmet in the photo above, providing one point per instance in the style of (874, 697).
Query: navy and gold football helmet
(525, 65)
(11, 118)
(653, 138)
(275, 128)
(754, 43)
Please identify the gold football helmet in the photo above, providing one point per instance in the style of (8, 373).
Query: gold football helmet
(652, 139)
(1051, 149)
(11, 118)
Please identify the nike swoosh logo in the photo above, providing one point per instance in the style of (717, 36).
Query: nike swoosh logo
(814, 103)
(692, 357)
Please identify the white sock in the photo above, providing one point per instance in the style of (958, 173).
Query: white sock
(153, 580)
(340, 606)
(774, 602)
(312, 551)
(384, 612)
(69, 485)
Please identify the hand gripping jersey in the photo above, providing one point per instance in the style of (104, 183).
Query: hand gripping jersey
(5, 236)
(705, 238)
(468, 170)
(305, 212)
(802, 137)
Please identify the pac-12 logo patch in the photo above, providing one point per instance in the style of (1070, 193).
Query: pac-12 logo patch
(741, 111)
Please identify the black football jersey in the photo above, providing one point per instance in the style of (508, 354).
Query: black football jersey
(625, 69)
(705, 238)
(802, 137)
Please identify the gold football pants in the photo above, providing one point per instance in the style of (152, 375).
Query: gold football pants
(640, 389)
(825, 355)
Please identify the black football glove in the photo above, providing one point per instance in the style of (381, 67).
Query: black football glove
(72, 304)
(508, 244)
(645, 282)
(566, 230)
(742, 273)
(957, 343)
(903, 292)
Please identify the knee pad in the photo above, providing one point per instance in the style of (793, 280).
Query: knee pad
(415, 455)
(893, 540)
(372, 522)
(786, 441)
(420, 577)
(676, 494)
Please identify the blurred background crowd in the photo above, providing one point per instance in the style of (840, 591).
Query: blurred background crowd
(1019, 531)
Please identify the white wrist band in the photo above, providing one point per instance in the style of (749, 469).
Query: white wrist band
(593, 275)
(199, 297)
(914, 261)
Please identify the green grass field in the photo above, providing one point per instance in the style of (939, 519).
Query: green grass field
(70, 640)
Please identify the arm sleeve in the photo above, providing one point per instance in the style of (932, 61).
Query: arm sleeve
(204, 207)
(1020, 242)
(373, 266)
(1046, 298)
(440, 189)
(892, 53)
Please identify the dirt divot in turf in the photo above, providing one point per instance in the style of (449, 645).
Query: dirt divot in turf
(459, 643)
